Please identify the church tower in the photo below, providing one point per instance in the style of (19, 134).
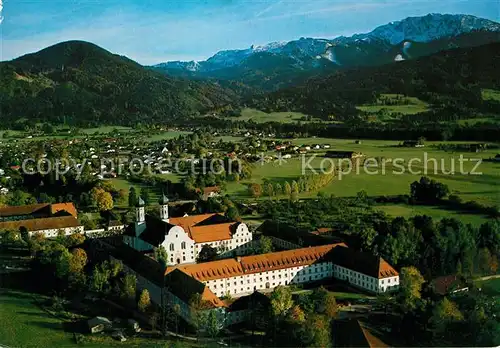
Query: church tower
(140, 216)
(164, 208)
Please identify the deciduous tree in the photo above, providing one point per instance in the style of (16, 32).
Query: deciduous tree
(144, 302)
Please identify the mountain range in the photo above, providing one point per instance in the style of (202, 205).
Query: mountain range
(81, 83)
(290, 61)
(434, 58)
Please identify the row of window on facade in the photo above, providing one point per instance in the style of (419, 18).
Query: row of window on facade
(268, 285)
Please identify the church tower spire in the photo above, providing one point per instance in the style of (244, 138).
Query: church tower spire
(164, 208)
(139, 211)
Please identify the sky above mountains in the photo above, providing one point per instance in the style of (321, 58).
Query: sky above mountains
(154, 31)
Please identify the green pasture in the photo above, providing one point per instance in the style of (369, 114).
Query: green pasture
(26, 325)
(482, 188)
(258, 116)
(407, 106)
(436, 213)
(490, 94)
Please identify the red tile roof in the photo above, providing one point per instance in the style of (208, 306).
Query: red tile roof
(210, 233)
(21, 210)
(50, 223)
(68, 207)
(257, 263)
(202, 229)
(44, 209)
(365, 263)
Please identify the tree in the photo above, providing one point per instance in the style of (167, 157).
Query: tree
(325, 302)
(207, 253)
(105, 202)
(77, 261)
(232, 213)
(213, 324)
(144, 302)
(296, 315)
(74, 239)
(132, 197)
(281, 301)
(265, 245)
(278, 190)
(146, 197)
(411, 287)
(255, 190)
(161, 255)
(270, 190)
(445, 313)
(288, 189)
(316, 331)
(128, 287)
(428, 191)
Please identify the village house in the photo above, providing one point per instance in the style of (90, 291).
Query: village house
(343, 154)
(209, 192)
(184, 237)
(48, 219)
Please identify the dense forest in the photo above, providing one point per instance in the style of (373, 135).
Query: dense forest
(80, 83)
(449, 79)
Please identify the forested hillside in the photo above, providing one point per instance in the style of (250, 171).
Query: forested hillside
(80, 83)
(449, 80)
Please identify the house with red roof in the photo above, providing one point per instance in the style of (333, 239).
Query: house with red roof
(184, 237)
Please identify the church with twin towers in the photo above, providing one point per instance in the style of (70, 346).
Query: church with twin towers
(184, 237)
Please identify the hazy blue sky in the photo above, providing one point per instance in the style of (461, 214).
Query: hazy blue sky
(152, 31)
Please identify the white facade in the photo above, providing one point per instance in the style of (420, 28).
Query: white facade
(364, 281)
(246, 284)
(239, 244)
(181, 248)
(51, 233)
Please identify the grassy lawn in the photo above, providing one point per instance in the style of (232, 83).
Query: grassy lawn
(24, 324)
(472, 121)
(407, 105)
(490, 94)
(482, 188)
(434, 212)
(261, 117)
(165, 135)
(490, 287)
(106, 129)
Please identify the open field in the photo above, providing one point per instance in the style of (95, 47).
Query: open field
(261, 117)
(25, 324)
(472, 121)
(407, 105)
(84, 132)
(106, 129)
(436, 213)
(164, 135)
(490, 94)
(490, 287)
(482, 188)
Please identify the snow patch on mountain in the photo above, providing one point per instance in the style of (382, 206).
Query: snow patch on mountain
(398, 58)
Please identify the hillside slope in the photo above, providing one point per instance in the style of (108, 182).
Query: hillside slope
(452, 78)
(81, 83)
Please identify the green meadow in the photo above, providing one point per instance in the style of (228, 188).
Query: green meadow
(258, 116)
(490, 94)
(482, 188)
(26, 325)
(406, 106)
